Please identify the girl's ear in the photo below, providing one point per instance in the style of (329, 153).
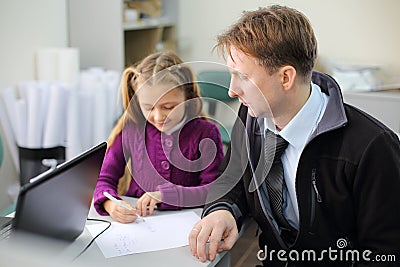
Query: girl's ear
(288, 76)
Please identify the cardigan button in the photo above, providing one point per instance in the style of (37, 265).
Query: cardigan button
(168, 142)
(165, 164)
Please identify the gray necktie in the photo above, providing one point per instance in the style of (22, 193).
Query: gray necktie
(274, 147)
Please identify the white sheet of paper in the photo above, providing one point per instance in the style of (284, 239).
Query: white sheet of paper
(155, 233)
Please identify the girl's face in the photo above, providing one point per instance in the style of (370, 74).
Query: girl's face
(162, 106)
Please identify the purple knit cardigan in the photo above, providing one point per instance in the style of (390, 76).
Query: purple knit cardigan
(181, 165)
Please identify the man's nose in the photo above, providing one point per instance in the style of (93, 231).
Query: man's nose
(234, 90)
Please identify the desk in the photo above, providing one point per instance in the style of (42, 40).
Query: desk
(38, 251)
(170, 257)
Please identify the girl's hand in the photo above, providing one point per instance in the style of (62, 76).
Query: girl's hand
(120, 214)
(149, 199)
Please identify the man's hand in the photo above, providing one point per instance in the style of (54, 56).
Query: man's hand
(219, 229)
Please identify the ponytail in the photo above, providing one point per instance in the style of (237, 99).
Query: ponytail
(127, 88)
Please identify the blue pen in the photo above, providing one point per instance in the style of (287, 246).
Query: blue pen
(120, 203)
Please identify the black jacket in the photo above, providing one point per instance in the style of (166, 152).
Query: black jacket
(347, 186)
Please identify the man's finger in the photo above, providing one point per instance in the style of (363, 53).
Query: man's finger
(202, 239)
(193, 239)
(229, 240)
(215, 240)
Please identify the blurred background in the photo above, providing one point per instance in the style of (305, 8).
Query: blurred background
(358, 41)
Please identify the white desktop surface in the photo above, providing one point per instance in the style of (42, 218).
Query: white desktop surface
(170, 257)
(43, 252)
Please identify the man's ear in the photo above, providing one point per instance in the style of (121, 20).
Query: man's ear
(288, 77)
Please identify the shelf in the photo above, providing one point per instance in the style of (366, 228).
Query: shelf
(146, 36)
(145, 24)
(106, 41)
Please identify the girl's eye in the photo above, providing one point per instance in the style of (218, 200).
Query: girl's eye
(168, 107)
(148, 108)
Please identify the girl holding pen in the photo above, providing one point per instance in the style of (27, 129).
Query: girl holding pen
(169, 151)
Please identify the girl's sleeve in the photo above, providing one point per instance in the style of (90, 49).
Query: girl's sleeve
(112, 169)
(177, 196)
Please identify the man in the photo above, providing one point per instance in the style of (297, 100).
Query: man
(330, 195)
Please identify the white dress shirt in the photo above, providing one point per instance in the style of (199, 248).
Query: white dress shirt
(297, 132)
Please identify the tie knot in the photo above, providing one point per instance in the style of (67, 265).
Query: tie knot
(280, 144)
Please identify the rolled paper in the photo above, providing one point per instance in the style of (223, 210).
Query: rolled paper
(55, 126)
(46, 64)
(68, 66)
(34, 120)
(73, 145)
(21, 122)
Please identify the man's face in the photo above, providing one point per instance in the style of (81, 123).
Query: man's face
(253, 85)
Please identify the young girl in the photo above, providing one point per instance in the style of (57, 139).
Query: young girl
(172, 153)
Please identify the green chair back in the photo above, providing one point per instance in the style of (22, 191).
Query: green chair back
(215, 84)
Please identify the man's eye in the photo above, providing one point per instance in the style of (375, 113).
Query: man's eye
(242, 77)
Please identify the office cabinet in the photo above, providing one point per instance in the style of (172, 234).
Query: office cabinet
(383, 105)
(97, 28)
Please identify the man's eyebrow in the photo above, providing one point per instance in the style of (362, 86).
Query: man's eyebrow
(234, 72)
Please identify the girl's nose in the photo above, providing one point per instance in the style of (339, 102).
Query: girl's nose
(159, 115)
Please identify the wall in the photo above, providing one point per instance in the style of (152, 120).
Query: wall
(357, 31)
(95, 26)
(26, 26)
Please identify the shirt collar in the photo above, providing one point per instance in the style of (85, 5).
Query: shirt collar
(176, 127)
(299, 129)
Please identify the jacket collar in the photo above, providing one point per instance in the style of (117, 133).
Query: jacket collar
(334, 116)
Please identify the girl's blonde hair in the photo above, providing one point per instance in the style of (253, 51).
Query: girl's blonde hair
(162, 67)
(157, 68)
